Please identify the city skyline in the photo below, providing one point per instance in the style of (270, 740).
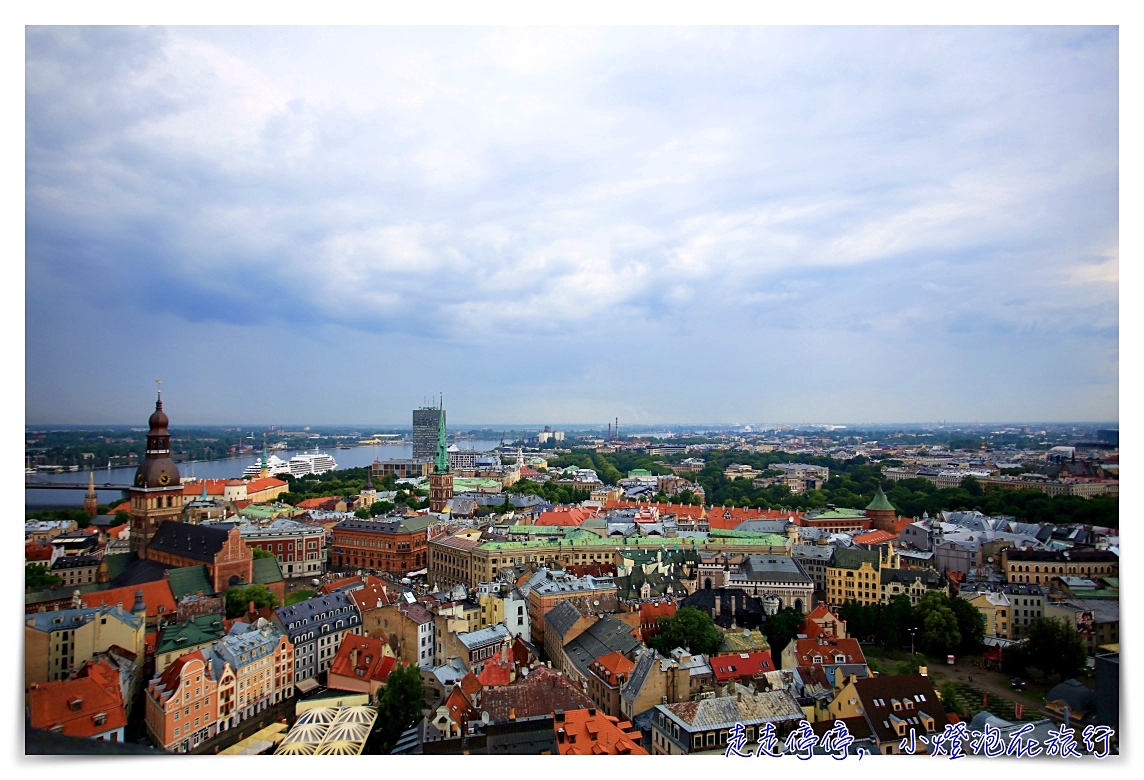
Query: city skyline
(859, 225)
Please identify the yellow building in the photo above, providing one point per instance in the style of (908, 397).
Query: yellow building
(996, 610)
(58, 642)
(853, 574)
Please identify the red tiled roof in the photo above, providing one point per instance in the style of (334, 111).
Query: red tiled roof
(497, 673)
(76, 704)
(149, 642)
(588, 732)
(826, 648)
(372, 663)
(739, 665)
(124, 507)
(38, 552)
(155, 594)
(116, 530)
(470, 685)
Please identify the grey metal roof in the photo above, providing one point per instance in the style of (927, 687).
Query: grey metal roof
(312, 614)
(744, 706)
(68, 619)
(774, 568)
(189, 540)
(638, 676)
(606, 635)
(485, 636)
(561, 618)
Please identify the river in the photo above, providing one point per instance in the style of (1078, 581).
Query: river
(206, 469)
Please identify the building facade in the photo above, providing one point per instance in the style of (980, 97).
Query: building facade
(396, 545)
(315, 628)
(299, 547)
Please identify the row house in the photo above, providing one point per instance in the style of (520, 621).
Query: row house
(1040, 566)
(315, 628)
(206, 692)
(409, 630)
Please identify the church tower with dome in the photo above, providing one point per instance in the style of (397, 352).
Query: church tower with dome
(157, 493)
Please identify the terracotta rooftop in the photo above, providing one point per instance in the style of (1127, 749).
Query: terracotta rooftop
(589, 732)
(362, 657)
(156, 594)
(90, 704)
(541, 692)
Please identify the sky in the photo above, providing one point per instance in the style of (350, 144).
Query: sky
(567, 225)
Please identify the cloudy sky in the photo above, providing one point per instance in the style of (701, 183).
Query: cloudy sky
(327, 225)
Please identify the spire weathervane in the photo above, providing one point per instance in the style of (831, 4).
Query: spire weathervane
(159, 387)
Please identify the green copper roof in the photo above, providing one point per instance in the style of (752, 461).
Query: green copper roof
(880, 502)
(189, 580)
(853, 558)
(841, 513)
(193, 633)
(266, 570)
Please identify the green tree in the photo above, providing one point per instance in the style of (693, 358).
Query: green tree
(897, 619)
(689, 628)
(238, 599)
(970, 624)
(939, 631)
(399, 706)
(781, 628)
(36, 576)
(1055, 647)
(258, 552)
(362, 512)
(122, 517)
(380, 508)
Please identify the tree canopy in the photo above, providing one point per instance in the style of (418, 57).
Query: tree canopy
(780, 628)
(238, 599)
(689, 628)
(36, 576)
(399, 706)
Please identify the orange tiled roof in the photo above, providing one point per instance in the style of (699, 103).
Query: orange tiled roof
(124, 507)
(589, 732)
(609, 667)
(470, 685)
(372, 663)
(155, 594)
(77, 704)
(116, 530)
(215, 487)
(564, 517)
(317, 503)
(258, 485)
(875, 537)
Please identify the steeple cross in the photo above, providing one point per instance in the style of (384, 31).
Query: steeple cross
(159, 385)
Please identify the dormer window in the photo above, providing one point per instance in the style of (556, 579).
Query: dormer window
(101, 719)
(896, 704)
(816, 659)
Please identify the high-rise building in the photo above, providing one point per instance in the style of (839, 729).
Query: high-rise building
(427, 421)
(157, 494)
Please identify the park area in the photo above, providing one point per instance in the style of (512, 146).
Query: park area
(970, 685)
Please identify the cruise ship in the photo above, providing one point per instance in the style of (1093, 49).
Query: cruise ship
(274, 466)
(311, 463)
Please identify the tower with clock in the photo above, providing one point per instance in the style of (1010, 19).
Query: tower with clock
(157, 493)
